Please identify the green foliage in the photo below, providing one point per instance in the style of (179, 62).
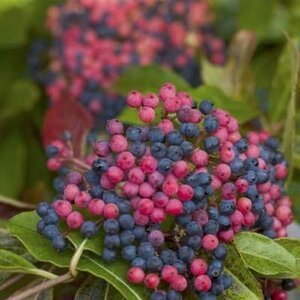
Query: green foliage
(265, 256)
(147, 79)
(245, 286)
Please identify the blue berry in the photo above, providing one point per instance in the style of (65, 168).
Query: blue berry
(189, 207)
(173, 295)
(220, 252)
(88, 229)
(96, 191)
(193, 228)
(174, 138)
(158, 295)
(227, 281)
(174, 153)
(250, 176)
(154, 264)
(211, 144)
(51, 151)
(237, 167)
(155, 134)
(126, 222)
(139, 232)
(109, 255)
(158, 150)
(184, 219)
(206, 107)
(213, 213)
(180, 266)
(189, 130)
(164, 165)
(92, 177)
(227, 207)
(168, 256)
(241, 145)
(40, 226)
(138, 149)
(210, 124)
(215, 268)
(43, 209)
(127, 237)
(186, 253)
(50, 232)
(129, 252)
(199, 193)
(59, 243)
(224, 221)
(51, 218)
(262, 176)
(194, 242)
(134, 133)
(211, 227)
(111, 226)
(112, 241)
(140, 263)
(100, 166)
(146, 250)
(187, 148)
(204, 178)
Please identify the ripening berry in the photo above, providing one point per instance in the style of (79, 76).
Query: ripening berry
(151, 100)
(210, 242)
(75, 220)
(146, 206)
(114, 126)
(134, 99)
(222, 171)
(244, 205)
(136, 175)
(174, 207)
(110, 211)
(147, 114)
(62, 208)
(115, 174)
(71, 191)
(202, 283)
(199, 158)
(96, 207)
(125, 160)
(101, 148)
(157, 215)
(166, 125)
(135, 275)
(118, 143)
(172, 104)
(169, 273)
(179, 283)
(170, 187)
(198, 266)
(185, 192)
(167, 90)
(82, 199)
(152, 281)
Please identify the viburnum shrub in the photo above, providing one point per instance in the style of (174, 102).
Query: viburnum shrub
(167, 196)
(94, 41)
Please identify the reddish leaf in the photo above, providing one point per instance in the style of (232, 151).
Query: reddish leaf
(66, 115)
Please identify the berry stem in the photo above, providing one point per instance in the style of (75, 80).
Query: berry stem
(15, 203)
(42, 286)
(75, 259)
(78, 163)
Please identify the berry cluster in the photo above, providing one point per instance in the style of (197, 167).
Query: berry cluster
(170, 194)
(94, 41)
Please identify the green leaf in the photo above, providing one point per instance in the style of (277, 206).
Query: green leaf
(293, 247)
(13, 27)
(289, 133)
(22, 97)
(211, 74)
(94, 288)
(280, 90)
(147, 79)
(23, 226)
(265, 256)
(12, 161)
(256, 15)
(13, 263)
(245, 286)
(130, 116)
(243, 113)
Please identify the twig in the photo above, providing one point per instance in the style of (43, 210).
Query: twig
(11, 281)
(15, 203)
(42, 286)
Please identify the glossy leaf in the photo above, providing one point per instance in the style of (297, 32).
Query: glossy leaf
(67, 115)
(13, 33)
(293, 247)
(23, 227)
(245, 286)
(130, 116)
(256, 15)
(265, 256)
(94, 288)
(22, 97)
(14, 263)
(281, 86)
(12, 161)
(148, 79)
(243, 113)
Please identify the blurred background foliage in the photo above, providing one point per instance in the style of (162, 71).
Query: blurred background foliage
(260, 79)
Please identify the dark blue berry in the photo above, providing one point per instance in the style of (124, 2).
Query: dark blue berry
(111, 226)
(146, 250)
(174, 153)
(206, 107)
(138, 149)
(158, 150)
(241, 145)
(211, 227)
(51, 218)
(129, 252)
(173, 295)
(139, 232)
(112, 241)
(165, 165)
(168, 256)
(227, 207)
(187, 148)
(100, 166)
(109, 255)
(140, 263)
(211, 144)
(127, 237)
(193, 228)
(174, 138)
(155, 134)
(60, 243)
(210, 124)
(134, 133)
(88, 229)
(154, 264)
(189, 130)
(158, 295)
(51, 151)
(126, 222)
(186, 253)
(215, 268)
(43, 209)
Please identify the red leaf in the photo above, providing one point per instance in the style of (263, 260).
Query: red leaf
(67, 115)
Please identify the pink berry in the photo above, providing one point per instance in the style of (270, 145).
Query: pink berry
(136, 175)
(172, 104)
(195, 116)
(135, 275)
(101, 148)
(244, 205)
(148, 164)
(168, 273)
(281, 171)
(174, 207)
(179, 283)
(228, 190)
(75, 178)
(180, 169)
(118, 143)
(106, 183)
(146, 190)
(115, 174)
(185, 192)
(114, 126)
(140, 219)
(166, 125)
(170, 187)
(110, 211)
(156, 179)
(157, 215)
(199, 158)
(151, 100)
(202, 283)
(167, 90)
(185, 98)
(283, 213)
(134, 99)
(63, 208)
(146, 206)
(125, 160)
(75, 220)
(241, 185)
(96, 207)
(82, 199)
(237, 218)
(249, 219)
(223, 172)
(152, 281)
(210, 242)
(130, 189)
(53, 164)
(198, 267)
(200, 216)
(147, 114)
(71, 191)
